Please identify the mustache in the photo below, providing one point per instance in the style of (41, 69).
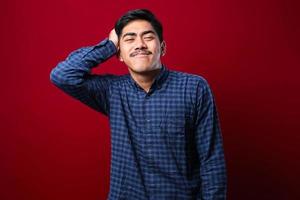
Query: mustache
(140, 51)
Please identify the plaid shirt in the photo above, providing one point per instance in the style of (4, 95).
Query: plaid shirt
(166, 144)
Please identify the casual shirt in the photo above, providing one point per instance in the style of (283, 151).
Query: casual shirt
(166, 143)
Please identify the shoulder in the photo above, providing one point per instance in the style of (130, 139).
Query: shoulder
(193, 85)
(192, 80)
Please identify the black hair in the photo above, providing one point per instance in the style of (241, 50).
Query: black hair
(142, 14)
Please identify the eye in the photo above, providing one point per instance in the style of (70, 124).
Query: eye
(128, 39)
(148, 38)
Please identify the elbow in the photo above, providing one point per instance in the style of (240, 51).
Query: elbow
(55, 78)
(61, 77)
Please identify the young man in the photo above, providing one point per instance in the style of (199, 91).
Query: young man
(165, 135)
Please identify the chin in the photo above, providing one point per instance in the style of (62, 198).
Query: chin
(141, 68)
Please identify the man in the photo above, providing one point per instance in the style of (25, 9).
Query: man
(165, 135)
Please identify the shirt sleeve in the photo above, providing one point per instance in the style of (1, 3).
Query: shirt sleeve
(209, 147)
(74, 77)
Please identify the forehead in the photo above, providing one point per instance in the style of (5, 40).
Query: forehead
(137, 26)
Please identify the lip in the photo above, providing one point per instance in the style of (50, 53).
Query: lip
(141, 55)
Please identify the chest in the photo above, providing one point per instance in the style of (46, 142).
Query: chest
(163, 109)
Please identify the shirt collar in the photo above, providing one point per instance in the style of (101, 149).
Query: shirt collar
(159, 79)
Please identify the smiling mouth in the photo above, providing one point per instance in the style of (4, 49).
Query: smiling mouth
(141, 55)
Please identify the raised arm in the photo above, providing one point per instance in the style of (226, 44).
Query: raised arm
(74, 77)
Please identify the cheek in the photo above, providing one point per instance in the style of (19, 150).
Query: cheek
(156, 49)
(124, 51)
(157, 53)
(124, 56)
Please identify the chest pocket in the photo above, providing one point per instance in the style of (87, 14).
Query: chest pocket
(174, 126)
(177, 125)
(176, 134)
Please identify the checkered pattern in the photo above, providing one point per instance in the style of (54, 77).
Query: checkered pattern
(166, 144)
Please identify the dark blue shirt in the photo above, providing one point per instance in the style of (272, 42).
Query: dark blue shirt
(166, 143)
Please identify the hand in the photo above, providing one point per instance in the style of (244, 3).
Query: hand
(114, 38)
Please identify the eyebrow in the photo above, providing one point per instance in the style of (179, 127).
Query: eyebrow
(134, 34)
(147, 32)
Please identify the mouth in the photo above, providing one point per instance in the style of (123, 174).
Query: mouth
(140, 53)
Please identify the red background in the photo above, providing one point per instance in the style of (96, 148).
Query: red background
(53, 147)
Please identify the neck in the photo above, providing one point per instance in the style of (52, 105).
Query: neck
(145, 79)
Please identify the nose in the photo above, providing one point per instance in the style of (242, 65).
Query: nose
(140, 44)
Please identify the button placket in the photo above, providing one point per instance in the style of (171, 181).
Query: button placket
(146, 113)
(148, 134)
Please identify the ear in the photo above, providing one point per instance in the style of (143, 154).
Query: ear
(163, 47)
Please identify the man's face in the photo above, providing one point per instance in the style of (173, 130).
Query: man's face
(140, 48)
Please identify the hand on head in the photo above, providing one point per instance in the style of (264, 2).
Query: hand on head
(114, 38)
